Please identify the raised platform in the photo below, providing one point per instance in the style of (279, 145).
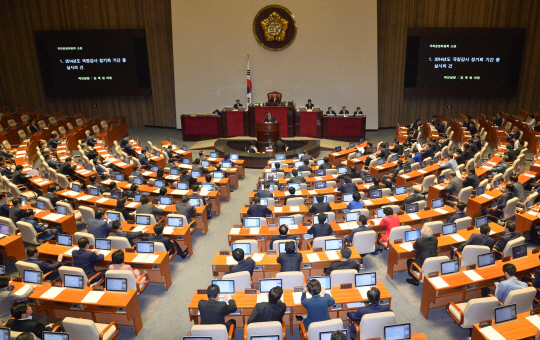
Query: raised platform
(240, 146)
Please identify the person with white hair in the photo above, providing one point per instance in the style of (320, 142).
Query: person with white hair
(425, 246)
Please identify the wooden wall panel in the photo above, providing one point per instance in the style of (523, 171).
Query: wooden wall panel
(20, 78)
(395, 16)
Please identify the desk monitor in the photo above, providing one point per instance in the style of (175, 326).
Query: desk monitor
(175, 221)
(320, 185)
(496, 183)
(137, 180)
(205, 163)
(103, 244)
(406, 152)
(73, 281)
(486, 259)
(358, 154)
(347, 197)
(155, 168)
(5, 229)
(440, 179)
(449, 267)
(272, 188)
(64, 240)
(448, 229)
(32, 276)
(196, 173)
(119, 177)
(298, 164)
(411, 208)
(395, 157)
(423, 164)
(280, 157)
(225, 286)
(207, 186)
(166, 200)
(234, 157)
(55, 336)
(315, 218)
(252, 222)
(226, 165)
(480, 191)
(324, 280)
(137, 197)
(113, 215)
(186, 161)
(337, 149)
(265, 285)
(93, 192)
(264, 337)
(182, 186)
(264, 201)
(375, 194)
(365, 279)
(437, 203)
(373, 150)
(480, 221)
(401, 190)
(2, 270)
(296, 186)
(282, 247)
(351, 216)
(41, 205)
(407, 169)
(368, 179)
(127, 160)
(380, 213)
(142, 220)
(519, 251)
(529, 205)
(196, 202)
(116, 284)
(271, 172)
(116, 194)
(412, 235)
(24, 201)
(145, 247)
(174, 172)
(397, 332)
(351, 145)
(214, 154)
(380, 161)
(287, 220)
(221, 174)
(505, 313)
(184, 147)
(341, 170)
(76, 187)
(320, 172)
(246, 247)
(320, 161)
(435, 160)
(328, 335)
(160, 183)
(156, 153)
(5, 333)
(333, 244)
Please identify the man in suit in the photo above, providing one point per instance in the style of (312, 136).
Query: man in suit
(348, 187)
(520, 147)
(295, 178)
(195, 194)
(16, 213)
(52, 161)
(321, 228)
(361, 221)
(481, 239)
(158, 237)
(283, 230)
(425, 247)
(124, 141)
(45, 266)
(510, 152)
(146, 208)
(450, 164)
(53, 142)
(390, 179)
(472, 179)
(428, 152)
(5, 171)
(272, 181)
(264, 193)
(330, 111)
(454, 187)
(374, 296)
(510, 233)
(98, 226)
(281, 146)
(238, 104)
(23, 321)
(45, 234)
(185, 208)
(344, 111)
(185, 178)
(67, 169)
(145, 163)
(95, 183)
(410, 160)
(309, 105)
(117, 230)
(320, 206)
(253, 148)
(499, 119)
(91, 139)
(305, 166)
(91, 153)
(473, 147)
(518, 191)
(258, 210)
(128, 149)
(85, 259)
(352, 173)
(290, 260)
(326, 165)
(213, 311)
(384, 153)
(398, 148)
(496, 211)
(269, 118)
(292, 194)
(501, 167)
(198, 167)
(33, 128)
(274, 98)
(104, 173)
(4, 206)
(377, 184)
(18, 176)
(244, 264)
(273, 310)
(509, 284)
(415, 125)
(514, 136)
(460, 213)
(345, 262)
(477, 141)
(412, 197)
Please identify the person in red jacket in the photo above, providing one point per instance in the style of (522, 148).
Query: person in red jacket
(388, 222)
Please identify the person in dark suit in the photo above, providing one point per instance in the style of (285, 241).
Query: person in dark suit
(481, 239)
(67, 169)
(195, 194)
(269, 118)
(104, 173)
(496, 211)
(258, 210)
(273, 310)
(510, 233)
(460, 213)
(185, 208)
(320, 206)
(98, 226)
(91, 139)
(472, 179)
(33, 128)
(428, 152)
(377, 184)
(253, 148)
(473, 147)
(8, 298)
(345, 262)
(326, 165)
(358, 112)
(85, 259)
(146, 208)
(305, 166)
(121, 208)
(348, 187)
(23, 321)
(290, 260)
(321, 228)
(16, 213)
(96, 184)
(455, 186)
(498, 120)
(213, 311)
(18, 176)
(5, 170)
(344, 112)
(45, 266)
(518, 191)
(145, 163)
(501, 167)
(309, 105)
(4, 206)
(238, 104)
(510, 152)
(295, 178)
(361, 221)
(384, 153)
(398, 148)
(198, 167)
(390, 179)
(274, 98)
(425, 246)
(158, 237)
(415, 125)
(264, 193)
(124, 141)
(117, 230)
(373, 295)
(317, 306)
(185, 178)
(292, 194)
(352, 173)
(52, 161)
(40, 228)
(272, 181)
(330, 111)
(244, 264)
(53, 142)
(281, 146)
(283, 230)
(129, 150)
(514, 136)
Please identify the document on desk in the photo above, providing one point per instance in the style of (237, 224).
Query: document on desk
(335, 153)
(102, 200)
(151, 258)
(438, 282)
(407, 246)
(318, 178)
(132, 205)
(216, 180)
(254, 231)
(440, 187)
(92, 297)
(312, 192)
(71, 193)
(294, 208)
(473, 275)
(529, 175)
(23, 290)
(147, 173)
(490, 333)
(414, 216)
(392, 198)
(367, 185)
(297, 297)
(441, 210)
(162, 206)
(367, 202)
(535, 320)
(170, 230)
(278, 209)
(344, 226)
(405, 176)
(52, 292)
(156, 191)
(257, 257)
(204, 192)
(140, 258)
(235, 231)
(171, 177)
(262, 298)
(332, 255)
(422, 171)
(231, 261)
(313, 257)
(376, 221)
(458, 238)
(293, 226)
(69, 252)
(85, 197)
(104, 252)
(120, 164)
(486, 196)
(179, 192)
(363, 291)
(138, 228)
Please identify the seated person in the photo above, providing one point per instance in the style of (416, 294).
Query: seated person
(23, 321)
(389, 221)
(121, 208)
(412, 197)
(460, 213)
(45, 266)
(330, 112)
(146, 208)
(119, 264)
(362, 226)
(481, 239)
(243, 264)
(85, 259)
(273, 310)
(345, 262)
(355, 203)
(390, 179)
(295, 178)
(283, 230)
(374, 296)
(99, 226)
(510, 234)
(509, 284)
(7, 298)
(348, 187)
(320, 206)
(95, 183)
(258, 210)
(253, 148)
(305, 166)
(326, 165)
(321, 228)
(195, 194)
(185, 208)
(213, 310)
(317, 306)
(208, 179)
(377, 184)
(185, 178)
(158, 237)
(290, 260)
(426, 247)
(137, 173)
(145, 163)
(496, 211)
(117, 231)
(264, 193)
(41, 229)
(104, 172)
(292, 194)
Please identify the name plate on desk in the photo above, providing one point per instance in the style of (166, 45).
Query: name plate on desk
(471, 267)
(250, 291)
(317, 250)
(398, 241)
(271, 252)
(224, 252)
(433, 274)
(298, 289)
(202, 291)
(99, 288)
(535, 250)
(506, 258)
(52, 242)
(129, 250)
(346, 286)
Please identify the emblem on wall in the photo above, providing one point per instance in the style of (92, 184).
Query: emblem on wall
(274, 27)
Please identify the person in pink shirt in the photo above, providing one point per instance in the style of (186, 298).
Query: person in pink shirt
(389, 221)
(118, 264)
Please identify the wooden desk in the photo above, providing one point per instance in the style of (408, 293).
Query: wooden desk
(177, 150)
(517, 329)
(66, 223)
(337, 157)
(12, 248)
(477, 203)
(416, 175)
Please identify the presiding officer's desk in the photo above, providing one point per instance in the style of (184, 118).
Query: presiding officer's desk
(397, 255)
(461, 288)
(516, 330)
(119, 307)
(347, 300)
(268, 266)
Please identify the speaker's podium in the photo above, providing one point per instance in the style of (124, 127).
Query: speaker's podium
(267, 132)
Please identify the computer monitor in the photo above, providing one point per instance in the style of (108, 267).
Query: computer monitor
(440, 179)
(519, 251)
(341, 170)
(225, 286)
(445, 155)
(24, 201)
(328, 335)
(280, 157)
(315, 218)
(73, 281)
(265, 285)
(380, 213)
(496, 183)
(380, 161)
(406, 152)
(184, 147)
(64, 240)
(407, 169)
(166, 200)
(480, 191)
(351, 216)
(373, 194)
(156, 153)
(347, 197)
(437, 203)
(145, 247)
(226, 165)
(368, 179)
(116, 194)
(435, 160)
(196, 202)
(320, 172)
(324, 280)
(234, 157)
(320, 161)
(395, 157)
(337, 149)
(252, 222)
(397, 332)
(32, 276)
(411, 208)
(207, 186)
(103, 244)
(142, 220)
(116, 284)
(281, 247)
(480, 221)
(205, 163)
(89, 167)
(160, 183)
(505, 313)
(333, 244)
(182, 186)
(412, 235)
(320, 185)
(2, 270)
(113, 215)
(196, 173)
(5, 333)
(155, 168)
(264, 201)
(55, 336)
(214, 154)
(358, 155)
(246, 247)
(529, 205)
(423, 164)
(296, 186)
(174, 221)
(219, 174)
(351, 145)
(449, 267)
(40, 205)
(298, 164)
(373, 150)
(401, 190)
(448, 229)
(137, 180)
(137, 197)
(486, 259)
(186, 161)
(5, 229)
(119, 177)
(287, 220)
(93, 192)
(365, 279)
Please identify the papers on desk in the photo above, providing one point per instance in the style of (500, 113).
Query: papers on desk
(408, 246)
(313, 257)
(440, 187)
(216, 180)
(441, 211)
(53, 217)
(458, 238)
(405, 176)
(318, 178)
(231, 261)
(102, 200)
(170, 230)
(376, 221)
(138, 228)
(312, 192)
(257, 257)
(294, 208)
(422, 171)
(529, 175)
(486, 167)
(492, 163)
(367, 185)
(347, 225)
(438, 282)
(23, 290)
(179, 192)
(414, 216)
(2, 236)
(37, 211)
(297, 297)
(147, 173)
(92, 297)
(85, 197)
(204, 192)
(254, 231)
(363, 291)
(132, 205)
(162, 206)
(530, 212)
(278, 209)
(367, 202)
(70, 251)
(355, 305)
(332, 255)
(486, 196)
(71, 193)
(156, 191)
(120, 164)
(379, 167)
(235, 231)
(335, 153)
(211, 159)
(535, 320)
(263, 298)
(145, 258)
(391, 198)
(473, 275)
(103, 252)
(491, 232)
(171, 177)
(490, 333)
(52, 293)
(308, 237)
(84, 172)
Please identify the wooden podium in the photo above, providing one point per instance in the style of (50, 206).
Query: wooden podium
(267, 132)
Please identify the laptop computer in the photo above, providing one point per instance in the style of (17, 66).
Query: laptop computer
(437, 203)
(486, 259)
(380, 213)
(341, 170)
(186, 161)
(142, 220)
(412, 235)
(368, 179)
(64, 240)
(480, 191)
(214, 155)
(137, 197)
(252, 222)
(320, 161)
(73, 281)
(448, 229)
(221, 174)
(234, 157)
(182, 186)
(41, 205)
(280, 157)
(197, 338)
(175, 221)
(320, 172)
(365, 279)
(5, 229)
(333, 244)
(265, 285)
(397, 332)
(116, 194)
(324, 280)
(93, 192)
(505, 313)
(145, 247)
(246, 247)
(449, 267)
(296, 186)
(159, 183)
(103, 244)
(2, 270)
(119, 177)
(137, 180)
(32, 276)
(480, 221)
(519, 251)
(116, 284)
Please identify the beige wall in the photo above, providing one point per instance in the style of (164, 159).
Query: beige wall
(333, 59)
